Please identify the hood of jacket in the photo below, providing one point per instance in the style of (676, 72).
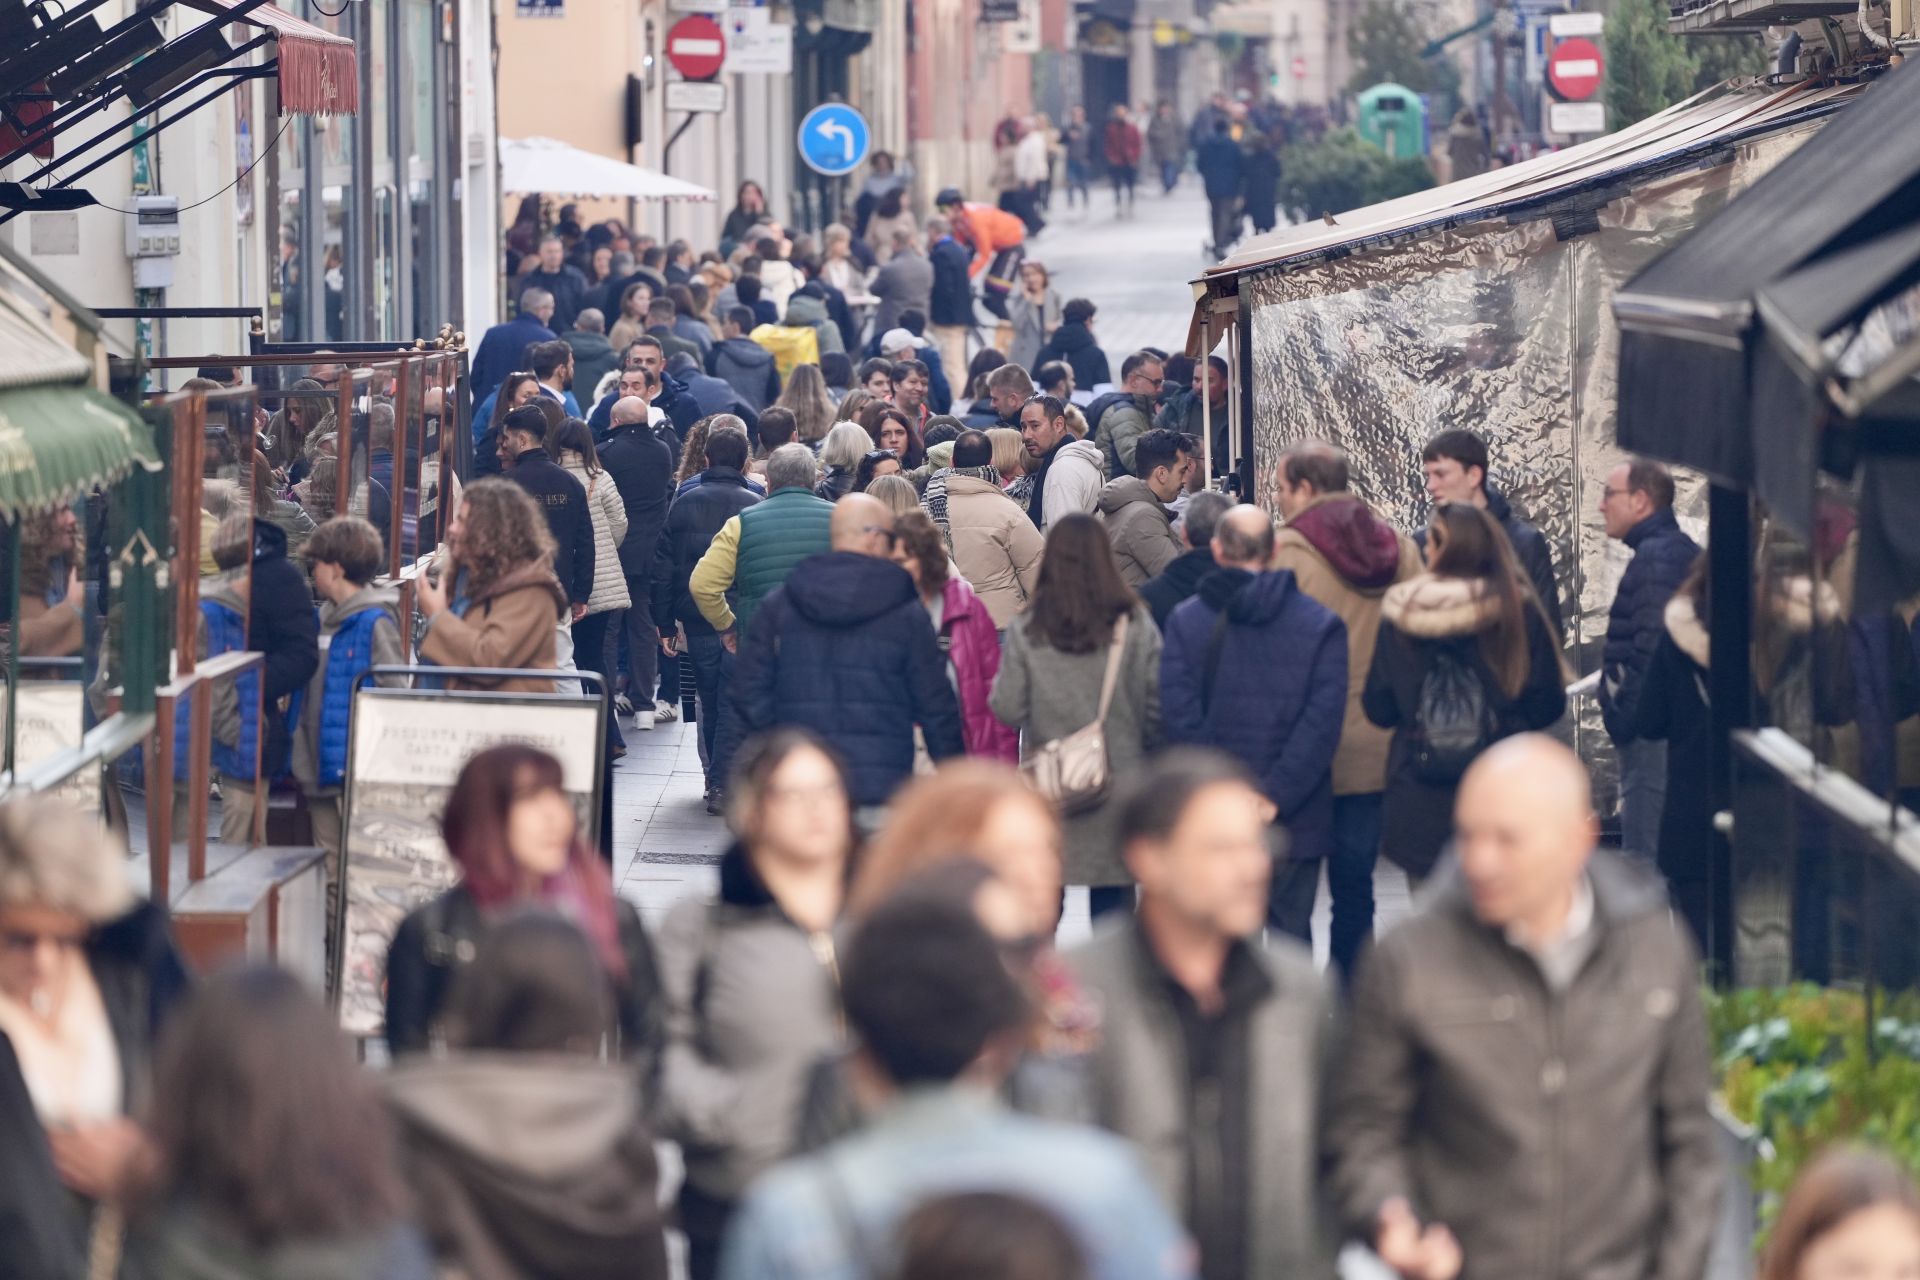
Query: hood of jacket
(539, 1116)
(269, 540)
(1250, 599)
(1084, 452)
(1125, 492)
(527, 575)
(367, 597)
(804, 309)
(1361, 547)
(844, 589)
(1070, 338)
(1689, 632)
(745, 352)
(1435, 608)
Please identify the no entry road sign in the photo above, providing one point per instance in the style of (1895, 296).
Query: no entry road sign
(696, 47)
(1574, 69)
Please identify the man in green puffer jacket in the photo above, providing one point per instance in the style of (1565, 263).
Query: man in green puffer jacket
(755, 551)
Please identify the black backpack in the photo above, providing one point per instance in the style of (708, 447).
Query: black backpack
(1454, 720)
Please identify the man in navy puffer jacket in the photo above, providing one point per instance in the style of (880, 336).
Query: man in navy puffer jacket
(1637, 506)
(845, 648)
(1254, 666)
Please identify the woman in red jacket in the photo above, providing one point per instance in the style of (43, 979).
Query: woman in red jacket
(966, 631)
(1124, 147)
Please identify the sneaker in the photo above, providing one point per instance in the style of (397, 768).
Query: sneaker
(716, 802)
(623, 705)
(643, 720)
(665, 712)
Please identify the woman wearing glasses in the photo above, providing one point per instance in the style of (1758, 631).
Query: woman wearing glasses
(87, 974)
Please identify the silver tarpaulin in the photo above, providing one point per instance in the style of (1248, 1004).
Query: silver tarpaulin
(1503, 328)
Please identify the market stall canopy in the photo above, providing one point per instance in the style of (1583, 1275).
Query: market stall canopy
(547, 166)
(319, 71)
(1677, 138)
(1688, 374)
(58, 436)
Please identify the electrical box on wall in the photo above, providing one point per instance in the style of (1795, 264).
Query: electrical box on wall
(153, 240)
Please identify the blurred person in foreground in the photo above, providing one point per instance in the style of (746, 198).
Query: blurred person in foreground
(1213, 1046)
(1525, 1082)
(88, 974)
(970, 1235)
(273, 1155)
(527, 1150)
(751, 977)
(941, 1018)
(512, 830)
(1850, 1215)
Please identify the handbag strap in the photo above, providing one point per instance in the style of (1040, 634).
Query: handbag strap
(1114, 650)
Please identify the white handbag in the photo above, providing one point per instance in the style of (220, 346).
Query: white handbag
(1073, 771)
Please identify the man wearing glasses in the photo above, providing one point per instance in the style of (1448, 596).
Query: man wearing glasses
(1125, 421)
(845, 648)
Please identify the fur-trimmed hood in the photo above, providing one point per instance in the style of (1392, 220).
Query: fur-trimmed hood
(1793, 603)
(1688, 629)
(1433, 607)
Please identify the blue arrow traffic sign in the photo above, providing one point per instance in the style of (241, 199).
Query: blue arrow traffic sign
(834, 139)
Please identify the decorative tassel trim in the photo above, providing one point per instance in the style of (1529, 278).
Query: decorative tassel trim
(318, 78)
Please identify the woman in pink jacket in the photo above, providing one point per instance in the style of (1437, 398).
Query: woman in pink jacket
(966, 631)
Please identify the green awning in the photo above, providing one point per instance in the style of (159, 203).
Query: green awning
(58, 442)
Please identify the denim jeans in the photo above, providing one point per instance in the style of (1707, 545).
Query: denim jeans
(1169, 174)
(1356, 843)
(590, 654)
(712, 665)
(1643, 797)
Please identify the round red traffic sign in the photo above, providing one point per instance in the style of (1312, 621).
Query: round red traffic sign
(696, 47)
(1300, 68)
(1574, 69)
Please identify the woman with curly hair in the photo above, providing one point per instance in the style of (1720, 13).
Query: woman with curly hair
(693, 452)
(805, 396)
(501, 555)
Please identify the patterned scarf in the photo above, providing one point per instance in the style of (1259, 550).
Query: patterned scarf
(934, 500)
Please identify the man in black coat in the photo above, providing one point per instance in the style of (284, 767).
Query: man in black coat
(714, 395)
(282, 625)
(672, 399)
(845, 648)
(1637, 506)
(1455, 465)
(565, 283)
(558, 495)
(641, 464)
(692, 521)
(1220, 163)
(1181, 579)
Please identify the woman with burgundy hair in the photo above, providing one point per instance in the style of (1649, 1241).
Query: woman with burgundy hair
(513, 832)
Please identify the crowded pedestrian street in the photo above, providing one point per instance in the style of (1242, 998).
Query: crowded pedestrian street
(968, 640)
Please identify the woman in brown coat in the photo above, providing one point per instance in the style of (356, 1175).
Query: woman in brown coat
(501, 556)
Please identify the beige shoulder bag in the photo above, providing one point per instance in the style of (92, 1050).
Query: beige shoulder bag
(1073, 771)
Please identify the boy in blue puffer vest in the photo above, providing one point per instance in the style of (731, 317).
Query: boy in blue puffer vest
(359, 628)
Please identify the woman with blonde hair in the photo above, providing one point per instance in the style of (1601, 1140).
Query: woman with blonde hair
(840, 456)
(852, 403)
(501, 555)
(897, 493)
(1009, 454)
(838, 268)
(805, 397)
(88, 974)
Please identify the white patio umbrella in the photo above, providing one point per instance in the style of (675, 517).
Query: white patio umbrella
(549, 167)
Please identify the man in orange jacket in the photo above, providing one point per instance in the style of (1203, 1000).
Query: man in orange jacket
(994, 236)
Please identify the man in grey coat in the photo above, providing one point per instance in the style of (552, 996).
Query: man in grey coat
(905, 283)
(1524, 1087)
(1212, 1046)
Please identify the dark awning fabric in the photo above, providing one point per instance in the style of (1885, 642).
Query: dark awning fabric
(1687, 321)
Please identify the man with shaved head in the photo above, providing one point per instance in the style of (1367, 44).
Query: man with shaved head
(1524, 1088)
(640, 462)
(845, 648)
(1254, 666)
